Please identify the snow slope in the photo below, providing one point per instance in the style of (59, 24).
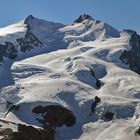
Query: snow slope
(64, 77)
(12, 32)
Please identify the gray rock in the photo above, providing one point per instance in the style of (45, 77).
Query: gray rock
(29, 42)
(8, 50)
(132, 57)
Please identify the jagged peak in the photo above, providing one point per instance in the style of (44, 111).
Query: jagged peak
(83, 17)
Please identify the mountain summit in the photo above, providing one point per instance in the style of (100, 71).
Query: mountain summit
(34, 32)
(82, 18)
(64, 82)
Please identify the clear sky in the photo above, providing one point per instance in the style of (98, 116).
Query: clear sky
(119, 13)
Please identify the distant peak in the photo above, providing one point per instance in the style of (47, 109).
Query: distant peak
(82, 18)
(29, 18)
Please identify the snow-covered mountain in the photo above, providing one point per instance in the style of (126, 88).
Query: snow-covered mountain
(69, 82)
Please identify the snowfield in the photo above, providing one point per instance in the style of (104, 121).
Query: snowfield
(12, 32)
(64, 77)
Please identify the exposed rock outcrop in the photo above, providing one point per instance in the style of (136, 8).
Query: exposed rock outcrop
(97, 100)
(82, 18)
(52, 116)
(109, 116)
(132, 57)
(7, 50)
(55, 115)
(137, 131)
(27, 133)
(29, 42)
(98, 81)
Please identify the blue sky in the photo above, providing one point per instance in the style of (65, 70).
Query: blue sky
(119, 13)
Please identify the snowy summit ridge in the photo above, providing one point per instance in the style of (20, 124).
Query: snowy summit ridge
(69, 82)
(82, 18)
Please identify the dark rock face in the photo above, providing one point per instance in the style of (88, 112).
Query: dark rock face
(82, 18)
(11, 52)
(26, 44)
(2, 52)
(29, 42)
(97, 100)
(109, 116)
(6, 132)
(137, 131)
(132, 57)
(55, 115)
(52, 116)
(98, 81)
(92, 72)
(8, 50)
(31, 133)
(98, 84)
(27, 133)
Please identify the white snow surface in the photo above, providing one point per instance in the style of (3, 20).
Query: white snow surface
(12, 32)
(63, 77)
(45, 31)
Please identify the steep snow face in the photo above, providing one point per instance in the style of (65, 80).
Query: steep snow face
(46, 31)
(12, 32)
(72, 78)
(28, 35)
(43, 30)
